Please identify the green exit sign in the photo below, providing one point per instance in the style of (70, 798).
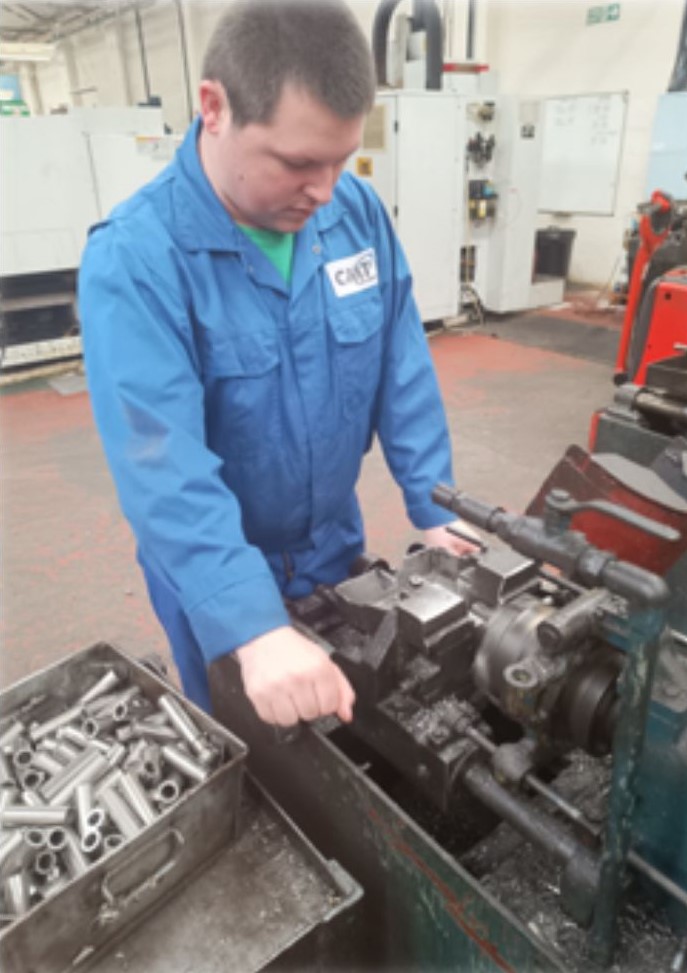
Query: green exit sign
(600, 15)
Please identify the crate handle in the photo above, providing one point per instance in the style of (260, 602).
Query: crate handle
(117, 901)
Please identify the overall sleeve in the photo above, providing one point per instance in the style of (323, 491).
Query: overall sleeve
(147, 397)
(411, 422)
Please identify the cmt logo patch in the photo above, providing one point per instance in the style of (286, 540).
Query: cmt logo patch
(352, 274)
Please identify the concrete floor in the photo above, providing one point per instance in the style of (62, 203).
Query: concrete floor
(517, 393)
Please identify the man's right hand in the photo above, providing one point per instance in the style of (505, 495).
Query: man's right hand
(289, 678)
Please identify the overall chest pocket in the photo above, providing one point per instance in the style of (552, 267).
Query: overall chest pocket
(242, 378)
(357, 334)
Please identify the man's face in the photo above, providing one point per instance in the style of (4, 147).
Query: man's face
(276, 175)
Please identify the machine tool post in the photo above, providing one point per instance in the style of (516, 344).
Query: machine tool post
(536, 784)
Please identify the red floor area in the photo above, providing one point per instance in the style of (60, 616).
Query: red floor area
(69, 576)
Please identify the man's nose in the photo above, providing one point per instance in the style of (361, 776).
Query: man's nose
(321, 184)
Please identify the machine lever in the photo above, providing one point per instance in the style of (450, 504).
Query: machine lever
(560, 507)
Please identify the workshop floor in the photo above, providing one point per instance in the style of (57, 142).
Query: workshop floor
(517, 391)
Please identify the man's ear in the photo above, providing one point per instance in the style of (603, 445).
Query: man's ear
(214, 106)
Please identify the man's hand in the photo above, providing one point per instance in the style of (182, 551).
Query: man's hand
(289, 678)
(440, 537)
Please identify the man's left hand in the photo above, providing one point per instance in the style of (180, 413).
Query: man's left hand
(441, 537)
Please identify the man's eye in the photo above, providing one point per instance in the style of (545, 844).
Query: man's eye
(296, 164)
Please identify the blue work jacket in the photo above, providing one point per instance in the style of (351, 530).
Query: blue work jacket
(235, 410)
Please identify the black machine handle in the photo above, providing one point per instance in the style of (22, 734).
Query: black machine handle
(567, 549)
(559, 508)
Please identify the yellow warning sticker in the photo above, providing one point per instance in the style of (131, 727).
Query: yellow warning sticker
(363, 165)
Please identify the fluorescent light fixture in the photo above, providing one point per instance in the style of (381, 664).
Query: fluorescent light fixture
(18, 51)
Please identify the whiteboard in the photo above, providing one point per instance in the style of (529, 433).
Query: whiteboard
(582, 143)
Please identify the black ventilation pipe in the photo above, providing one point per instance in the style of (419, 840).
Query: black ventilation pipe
(426, 16)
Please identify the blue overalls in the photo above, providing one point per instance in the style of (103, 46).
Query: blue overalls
(235, 412)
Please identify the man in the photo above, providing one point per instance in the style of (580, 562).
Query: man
(248, 328)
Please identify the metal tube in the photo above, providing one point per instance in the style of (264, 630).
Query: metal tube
(92, 842)
(537, 826)
(136, 796)
(22, 755)
(96, 819)
(35, 838)
(73, 735)
(56, 881)
(168, 792)
(9, 736)
(77, 863)
(182, 762)
(19, 816)
(83, 796)
(107, 704)
(6, 775)
(154, 731)
(112, 842)
(60, 750)
(91, 771)
(40, 730)
(32, 799)
(43, 761)
(17, 894)
(57, 839)
(68, 773)
(31, 778)
(180, 719)
(97, 726)
(45, 863)
(8, 795)
(108, 782)
(106, 682)
(9, 847)
(142, 49)
(120, 814)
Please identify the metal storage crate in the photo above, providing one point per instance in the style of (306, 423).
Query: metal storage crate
(120, 888)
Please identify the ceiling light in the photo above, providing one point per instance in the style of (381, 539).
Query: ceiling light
(18, 51)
